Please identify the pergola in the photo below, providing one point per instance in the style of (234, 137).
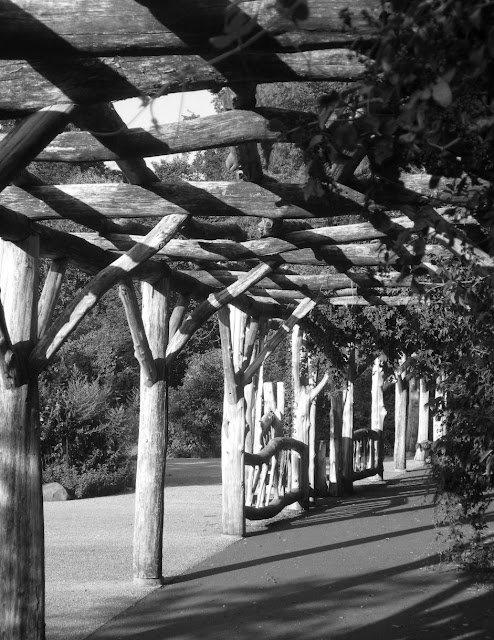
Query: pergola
(65, 62)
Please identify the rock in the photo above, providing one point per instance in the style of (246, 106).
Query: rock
(54, 492)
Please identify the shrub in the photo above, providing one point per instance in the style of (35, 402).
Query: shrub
(88, 482)
(196, 408)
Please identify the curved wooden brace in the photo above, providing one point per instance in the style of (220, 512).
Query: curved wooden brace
(274, 447)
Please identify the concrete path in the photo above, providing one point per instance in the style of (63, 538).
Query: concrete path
(361, 568)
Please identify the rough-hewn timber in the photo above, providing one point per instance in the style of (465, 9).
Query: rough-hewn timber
(21, 504)
(123, 26)
(85, 202)
(28, 86)
(219, 130)
(345, 255)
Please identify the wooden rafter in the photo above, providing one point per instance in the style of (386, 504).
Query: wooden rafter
(21, 145)
(123, 26)
(303, 308)
(344, 255)
(142, 351)
(50, 293)
(273, 200)
(28, 87)
(213, 303)
(89, 296)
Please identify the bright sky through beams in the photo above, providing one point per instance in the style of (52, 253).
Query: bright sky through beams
(170, 108)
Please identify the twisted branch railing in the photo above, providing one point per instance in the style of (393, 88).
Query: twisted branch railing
(271, 485)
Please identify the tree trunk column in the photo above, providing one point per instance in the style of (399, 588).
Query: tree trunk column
(232, 323)
(22, 579)
(378, 413)
(336, 444)
(423, 434)
(153, 435)
(347, 427)
(401, 401)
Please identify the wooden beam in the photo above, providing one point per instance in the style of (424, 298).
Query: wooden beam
(22, 586)
(142, 351)
(21, 145)
(92, 292)
(28, 86)
(345, 255)
(178, 314)
(50, 294)
(118, 27)
(303, 309)
(104, 118)
(120, 143)
(231, 199)
(214, 302)
(152, 444)
(283, 280)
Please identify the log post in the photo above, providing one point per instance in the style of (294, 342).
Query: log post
(347, 427)
(153, 432)
(312, 429)
(423, 433)
(401, 397)
(336, 444)
(412, 414)
(438, 422)
(378, 413)
(301, 410)
(22, 582)
(244, 157)
(232, 324)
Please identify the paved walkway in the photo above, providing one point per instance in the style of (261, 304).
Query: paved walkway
(89, 547)
(364, 567)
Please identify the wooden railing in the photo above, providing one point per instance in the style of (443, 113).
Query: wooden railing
(367, 460)
(275, 477)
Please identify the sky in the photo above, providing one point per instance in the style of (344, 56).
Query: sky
(170, 108)
(165, 109)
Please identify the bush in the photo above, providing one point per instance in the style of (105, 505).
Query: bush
(103, 480)
(196, 408)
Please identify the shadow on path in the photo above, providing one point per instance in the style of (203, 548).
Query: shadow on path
(360, 567)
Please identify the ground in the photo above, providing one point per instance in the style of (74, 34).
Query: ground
(365, 565)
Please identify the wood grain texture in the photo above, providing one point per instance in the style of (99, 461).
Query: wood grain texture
(29, 86)
(152, 443)
(123, 26)
(232, 326)
(50, 293)
(346, 255)
(401, 402)
(142, 351)
(86, 203)
(347, 426)
(218, 130)
(423, 432)
(213, 303)
(303, 309)
(22, 585)
(92, 292)
(21, 145)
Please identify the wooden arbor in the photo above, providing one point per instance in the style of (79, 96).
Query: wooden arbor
(80, 58)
